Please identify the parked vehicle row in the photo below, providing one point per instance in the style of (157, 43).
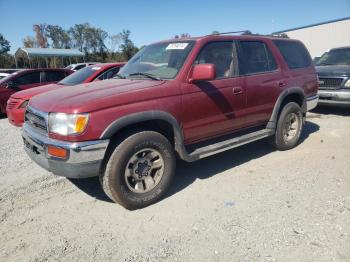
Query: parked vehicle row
(187, 98)
(28, 78)
(18, 101)
(333, 70)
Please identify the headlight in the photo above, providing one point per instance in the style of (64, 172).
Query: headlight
(24, 104)
(67, 124)
(347, 83)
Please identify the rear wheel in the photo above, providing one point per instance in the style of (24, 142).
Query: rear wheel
(289, 127)
(139, 170)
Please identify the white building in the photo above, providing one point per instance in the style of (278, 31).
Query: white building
(321, 37)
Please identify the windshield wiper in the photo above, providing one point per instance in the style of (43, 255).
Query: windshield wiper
(119, 76)
(151, 76)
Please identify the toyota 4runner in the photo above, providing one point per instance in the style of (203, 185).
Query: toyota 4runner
(190, 98)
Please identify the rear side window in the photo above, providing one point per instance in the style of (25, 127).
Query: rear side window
(255, 57)
(294, 53)
(27, 79)
(54, 76)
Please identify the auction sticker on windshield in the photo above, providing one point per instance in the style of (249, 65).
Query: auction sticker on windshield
(176, 46)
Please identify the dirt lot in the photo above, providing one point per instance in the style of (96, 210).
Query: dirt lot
(248, 204)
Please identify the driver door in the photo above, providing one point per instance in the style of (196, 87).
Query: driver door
(216, 107)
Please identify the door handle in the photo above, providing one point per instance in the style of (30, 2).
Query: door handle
(237, 90)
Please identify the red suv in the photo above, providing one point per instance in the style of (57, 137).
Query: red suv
(190, 98)
(28, 78)
(17, 103)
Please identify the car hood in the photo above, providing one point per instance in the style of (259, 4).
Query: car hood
(333, 70)
(29, 93)
(92, 96)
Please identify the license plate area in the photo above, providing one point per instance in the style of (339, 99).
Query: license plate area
(31, 147)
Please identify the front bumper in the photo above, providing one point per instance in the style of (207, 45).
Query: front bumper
(311, 102)
(334, 97)
(84, 158)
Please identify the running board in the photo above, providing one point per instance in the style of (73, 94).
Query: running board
(221, 146)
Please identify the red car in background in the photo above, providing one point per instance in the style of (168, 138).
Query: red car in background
(17, 103)
(28, 78)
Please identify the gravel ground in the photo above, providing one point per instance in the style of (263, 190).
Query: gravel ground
(247, 204)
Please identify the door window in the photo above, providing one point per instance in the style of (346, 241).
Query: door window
(223, 55)
(109, 74)
(255, 57)
(54, 76)
(27, 79)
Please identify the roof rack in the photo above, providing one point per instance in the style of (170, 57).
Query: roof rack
(243, 32)
(247, 32)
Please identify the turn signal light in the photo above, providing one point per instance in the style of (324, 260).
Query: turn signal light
(57, 152)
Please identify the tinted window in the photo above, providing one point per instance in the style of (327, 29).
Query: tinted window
(255, 57)
(54, 76)
(294, 53)
(223, 55)
(79, 67)
(79, 76)
(335, 57)
(109, 74)
(30, 78)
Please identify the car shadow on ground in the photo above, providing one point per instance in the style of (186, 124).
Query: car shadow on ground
(328, 110)
(187, 173)
(3, 116)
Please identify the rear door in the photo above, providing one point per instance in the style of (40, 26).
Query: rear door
(51, 76)
(262, 79)
(212, 108)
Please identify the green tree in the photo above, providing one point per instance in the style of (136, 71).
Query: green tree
(4, 45)
(59, 37)
(128, 49)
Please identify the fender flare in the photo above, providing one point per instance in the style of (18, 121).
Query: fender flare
(135, 118)
(291, 90)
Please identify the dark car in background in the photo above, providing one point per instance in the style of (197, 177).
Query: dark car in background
(17, 103)
(28, 78)
(333, 70)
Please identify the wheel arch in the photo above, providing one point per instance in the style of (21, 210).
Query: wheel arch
(292, 94)
(154, 120)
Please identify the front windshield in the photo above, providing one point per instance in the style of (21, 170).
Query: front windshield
(161, 61)
(335, 57)
(80, 76)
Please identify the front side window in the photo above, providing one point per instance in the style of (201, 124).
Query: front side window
(159, 61)
(80, 76)
(109, 74)
(255, 57)
(294, 53)
(335, 57)
(27, 79)
(223, 55)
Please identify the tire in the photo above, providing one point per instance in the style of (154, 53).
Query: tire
(139, 170)
(289, 127)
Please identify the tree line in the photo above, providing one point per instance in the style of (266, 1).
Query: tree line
(95, 43)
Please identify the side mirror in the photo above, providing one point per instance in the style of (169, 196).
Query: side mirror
(202, 72)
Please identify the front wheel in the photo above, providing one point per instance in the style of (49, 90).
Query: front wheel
(289, 127)
(139, 170)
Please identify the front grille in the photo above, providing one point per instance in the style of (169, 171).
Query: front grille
(36, 121)
(13, 103)
(330, 83)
